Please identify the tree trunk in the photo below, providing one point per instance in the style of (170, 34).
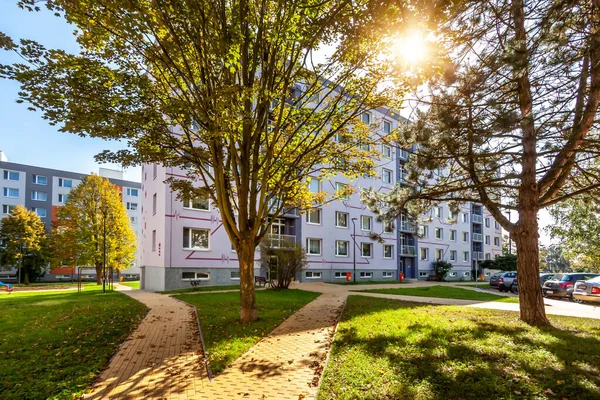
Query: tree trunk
(26, 278)
(248, 299)
(531, 301)
(99, 274)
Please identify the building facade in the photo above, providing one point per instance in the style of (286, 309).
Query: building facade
(44, 190)
(184, 241)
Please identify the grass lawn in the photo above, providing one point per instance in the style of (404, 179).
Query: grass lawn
(226, 338)
(369, 283)
(387, 349)
(53, 344)
(131, 284)
(201, 289)
(445, 292)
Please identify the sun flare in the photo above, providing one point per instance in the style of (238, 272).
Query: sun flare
(412, 48)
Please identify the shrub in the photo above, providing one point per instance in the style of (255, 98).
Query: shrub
(441, 268)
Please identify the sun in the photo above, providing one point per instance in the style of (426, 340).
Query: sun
(412, 49)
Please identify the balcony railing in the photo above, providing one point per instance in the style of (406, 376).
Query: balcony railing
(477, 255)
(406, 250)
(477, 218)
(281, 241)
(478, 237)
(403, 154)
(407, 227)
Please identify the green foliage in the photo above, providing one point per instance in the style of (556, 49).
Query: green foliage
(504, 262)
(555, 260)
(54, 344)
(225, 336)
(441, 268)
(386, 349)
(445, 292)
(283, 262)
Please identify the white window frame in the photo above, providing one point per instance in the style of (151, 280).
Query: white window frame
(340, 186)
(488, 256)
(314, 180)
(488, 239)
(441, 233)
(465, 217)
(388, 227)
(130, 192)
(312, 212)
(347, 219)
(337, 254)
(424, 250)
(7, 209)
(424, 231)
(154, 202)
(62, 198)
(320, 241)
(367, 218)
(453, 255)
(497, 241)
(339, 275)
(154, 240)
(188, 203)
(496, 225)
(362, 255)
(465, 237)
(386, 150)
(7, 174)
(453, 231)
(387, 124)
(35, 195)
(187, 246)
(35, 210)
(387, 175)
(130, 206)
(233, 278)
(487, 222)
(437, 212)
(452, 273)
(466, 273)
(62, 181)
(6, 193)
(36, 179)
(368, 115)
(440, 253)
(313, 275)
(204, 276)
(387, 274)
(423, 274)
(366, 275)
(391, 247)
(465, 256)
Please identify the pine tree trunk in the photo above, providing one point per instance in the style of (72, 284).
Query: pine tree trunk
(531, 301)
(248, 299)
(99, 274)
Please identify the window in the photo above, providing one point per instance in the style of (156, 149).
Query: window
(39, 179)
(452, 273)
(437, 212)
(133, 220)
(424, 253)
(496, 241)
(365, 146)
(366, 275)
(465, 237)
(39, 196)
(439, 233)
(465, 256)
(11, 175)
(153, 204)
(388, 274)
(313, 275)
(487, 239)
(451, 215)
(366, 223)
(340, 275)
(453, 235)
(314, 216)
(154, 240)
(439, 253)
(154, 171)
(388, 227)
(422, 274)
(196, 238)
(366, 118)
(132, 192)
(7, 209)
(234, 275)
(39, 211)
(387, 176)
(466, 273)
(465, 217)
(488, 256)
(10, 192)
(197, 203)
(313, 247)
(452, 255)
(487, 222)
(388, 251)
(62, 198)
(67, 183)
(424, 231)
(366, 250)
(342, 188)
(496, 225)
(387, 151)
(341, 219)
(341, 248)
(195, 276)
(132, 206)
(314, 185)
(387, 127)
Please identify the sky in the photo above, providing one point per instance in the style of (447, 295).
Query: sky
(26, 138)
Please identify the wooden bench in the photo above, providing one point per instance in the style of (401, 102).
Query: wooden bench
(261, 280)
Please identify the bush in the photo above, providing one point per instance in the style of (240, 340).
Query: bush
(290, 260)
(441, 269)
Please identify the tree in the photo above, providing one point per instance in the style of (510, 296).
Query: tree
(504, 262)
(576, 225)
(23, 234)
(556, 260)
(512, 123)
(283, 262)
(231, 91)
(79, 233)
(441, 269)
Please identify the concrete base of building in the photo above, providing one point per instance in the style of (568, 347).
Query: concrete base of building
(158, 279)
(339, 276)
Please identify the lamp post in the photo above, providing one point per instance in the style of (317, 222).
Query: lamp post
(509, 237)
(354, 249)
(104, 211)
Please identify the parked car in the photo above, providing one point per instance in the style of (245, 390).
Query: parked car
(494, 280)
(514, 287)
(504, 280)
(562, 285)
(587, 291)
(545, 277)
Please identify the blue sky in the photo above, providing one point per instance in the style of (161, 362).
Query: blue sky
(25, 137)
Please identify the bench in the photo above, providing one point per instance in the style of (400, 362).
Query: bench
(261, 280)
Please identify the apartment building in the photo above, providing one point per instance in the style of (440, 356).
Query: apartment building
(44, 190)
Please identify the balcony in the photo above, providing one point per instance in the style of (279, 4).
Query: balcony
(477, 218)
(403, 154)
(406, 250)
(407, 227)
(477, 255)
(281, 241)
(478, 237)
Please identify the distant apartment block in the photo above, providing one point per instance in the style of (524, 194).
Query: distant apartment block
(44, 190)
(184, 242)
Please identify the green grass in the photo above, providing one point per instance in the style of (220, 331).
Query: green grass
(387, 349)
(369, 283)
(226, 338)
(131, 284)
(53, 344)
(201, 289)
(445, 292)
(481, 285)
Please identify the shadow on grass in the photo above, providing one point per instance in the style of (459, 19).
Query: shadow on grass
(390, 349)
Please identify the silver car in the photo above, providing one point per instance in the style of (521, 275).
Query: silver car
(587, 291)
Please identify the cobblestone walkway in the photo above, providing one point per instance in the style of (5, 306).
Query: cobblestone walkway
(162, 358)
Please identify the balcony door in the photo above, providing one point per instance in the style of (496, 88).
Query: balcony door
(278, 226)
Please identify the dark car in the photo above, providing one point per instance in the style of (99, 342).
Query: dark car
(494, 280)
(503, 280)
(545, 277)
(562, 285)
(514, 287)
